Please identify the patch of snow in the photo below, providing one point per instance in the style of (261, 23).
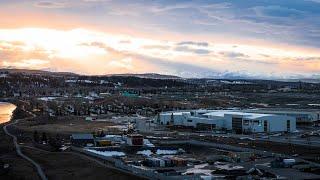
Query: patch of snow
(70, 81)
(206, 177)
(47, 98)
(313, 104)
(107, 153)
(247, 138)
(146, 142)
(197, 169)
(224, 166)
(145, 152)
(166, 152)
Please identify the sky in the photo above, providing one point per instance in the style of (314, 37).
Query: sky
(268, 39)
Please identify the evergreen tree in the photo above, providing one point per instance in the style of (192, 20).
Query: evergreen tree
(36, 136)
(44, 137)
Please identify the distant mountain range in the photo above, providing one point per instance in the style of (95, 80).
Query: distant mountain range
(148, 76)
(307, 80)
(39, 72)
(226, 75)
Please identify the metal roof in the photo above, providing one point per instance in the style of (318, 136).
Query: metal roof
(222, 113)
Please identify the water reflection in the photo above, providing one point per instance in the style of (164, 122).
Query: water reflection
(6, 110)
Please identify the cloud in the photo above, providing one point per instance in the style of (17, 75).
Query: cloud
(90, 52)
(192, 50)
(15, 51)
(305, 59)
(26, 64)
(205, 44)
(96, 0)
(315, 1)
(125, 41)
(278, 11)
(49, 4)
(125, 63)
(233, 55)
(161, 47)
(171, 7)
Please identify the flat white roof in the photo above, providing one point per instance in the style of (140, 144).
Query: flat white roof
(283, 111)
(175, 113)
(221, 113)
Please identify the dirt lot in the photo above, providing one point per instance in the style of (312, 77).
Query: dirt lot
(65, 125)
(68, 166)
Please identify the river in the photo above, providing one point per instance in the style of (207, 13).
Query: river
(6, 110)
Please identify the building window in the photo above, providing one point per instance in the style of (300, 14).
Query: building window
(265, 126)
(246, 122)
(256, 122)
(189, 120)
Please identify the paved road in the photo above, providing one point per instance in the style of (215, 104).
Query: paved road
(19, 152)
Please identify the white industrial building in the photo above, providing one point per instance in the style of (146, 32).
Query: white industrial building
(239, 122)
(302, 116)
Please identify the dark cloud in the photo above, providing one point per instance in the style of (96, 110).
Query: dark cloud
(49, 4)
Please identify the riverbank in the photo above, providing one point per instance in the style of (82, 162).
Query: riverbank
(17, 168)
(6, 111)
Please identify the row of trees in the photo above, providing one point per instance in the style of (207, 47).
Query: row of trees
(55, 142)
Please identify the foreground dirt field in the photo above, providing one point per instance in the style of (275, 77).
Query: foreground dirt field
(71, 166)
(19, 168)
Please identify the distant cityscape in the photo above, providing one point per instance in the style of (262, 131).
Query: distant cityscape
(159, 89)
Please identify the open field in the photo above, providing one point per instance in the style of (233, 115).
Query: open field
(71, 166)
(65, 125)
(19, 168)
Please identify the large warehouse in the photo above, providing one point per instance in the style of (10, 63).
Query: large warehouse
(302, 116)
(239, 122)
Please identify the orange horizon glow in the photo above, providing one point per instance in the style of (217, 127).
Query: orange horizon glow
(75, 49)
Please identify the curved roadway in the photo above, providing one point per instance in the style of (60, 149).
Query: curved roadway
(19, 152)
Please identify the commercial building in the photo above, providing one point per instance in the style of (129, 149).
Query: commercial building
(82, 139)
(135, 140)
(302, 116)
(239, 122)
